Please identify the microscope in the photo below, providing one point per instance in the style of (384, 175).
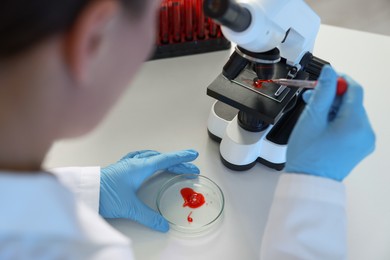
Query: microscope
(274, 39)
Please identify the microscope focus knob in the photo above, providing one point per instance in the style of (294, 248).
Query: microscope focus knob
(251, 122)
(313, 65)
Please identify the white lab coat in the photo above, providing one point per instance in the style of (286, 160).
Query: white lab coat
(41, 219)
(307, 220)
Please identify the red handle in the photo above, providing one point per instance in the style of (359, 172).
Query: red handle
(342, 86)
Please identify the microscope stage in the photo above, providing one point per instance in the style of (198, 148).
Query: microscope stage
(268, 90)
(240, 93)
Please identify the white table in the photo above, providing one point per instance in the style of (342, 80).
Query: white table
(167, 108)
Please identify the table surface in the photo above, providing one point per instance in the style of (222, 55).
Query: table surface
(166, 108)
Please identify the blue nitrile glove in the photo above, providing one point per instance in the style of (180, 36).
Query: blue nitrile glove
(120, 181)
(330, 149)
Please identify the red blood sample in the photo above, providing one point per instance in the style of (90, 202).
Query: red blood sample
(189, 217)
(176, 16)
(164, 22)
(191, 198)
(201, 19)
(213, 28)
(259, 83)
(189, 27)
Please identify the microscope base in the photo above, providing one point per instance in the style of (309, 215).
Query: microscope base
(239, 148)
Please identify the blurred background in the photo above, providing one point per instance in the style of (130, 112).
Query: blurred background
(364, 15)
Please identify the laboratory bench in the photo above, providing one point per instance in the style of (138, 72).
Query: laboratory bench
(166, 108)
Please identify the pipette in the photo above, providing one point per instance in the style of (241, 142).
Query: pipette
(342, 84)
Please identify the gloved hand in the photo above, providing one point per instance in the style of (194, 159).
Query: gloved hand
(330, 149)
(120, 181)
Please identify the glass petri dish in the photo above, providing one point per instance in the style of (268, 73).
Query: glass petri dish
(192, 204)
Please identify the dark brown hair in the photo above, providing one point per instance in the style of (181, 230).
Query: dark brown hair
(24, 23)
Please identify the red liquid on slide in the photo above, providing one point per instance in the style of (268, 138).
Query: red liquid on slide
(192, 199)
(259, 83)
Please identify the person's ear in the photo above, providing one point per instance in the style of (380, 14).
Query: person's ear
(84, 38)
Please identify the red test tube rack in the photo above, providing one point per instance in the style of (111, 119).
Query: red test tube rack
(184, 30)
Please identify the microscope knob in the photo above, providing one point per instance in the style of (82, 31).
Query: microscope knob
(251, 122)
(313, 65)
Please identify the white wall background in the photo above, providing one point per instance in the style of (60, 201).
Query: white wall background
(364, 15)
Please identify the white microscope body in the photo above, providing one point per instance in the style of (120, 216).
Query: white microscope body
(287, 25)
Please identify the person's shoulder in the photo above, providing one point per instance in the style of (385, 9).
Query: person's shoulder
(34, 203)
(41, 217)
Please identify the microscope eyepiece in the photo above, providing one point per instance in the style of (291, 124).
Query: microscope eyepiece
(228, 13)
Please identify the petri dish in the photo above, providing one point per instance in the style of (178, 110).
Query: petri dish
(192, 204)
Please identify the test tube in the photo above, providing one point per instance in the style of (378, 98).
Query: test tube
(200, 19)
(189, 26)
(164, 22)
(213, 28)
(176, 20)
